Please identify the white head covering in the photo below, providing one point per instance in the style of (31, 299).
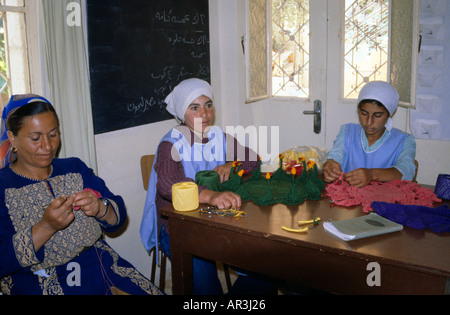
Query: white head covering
(384, 93)
(184, 93)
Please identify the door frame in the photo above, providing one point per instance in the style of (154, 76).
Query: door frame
(286, 113)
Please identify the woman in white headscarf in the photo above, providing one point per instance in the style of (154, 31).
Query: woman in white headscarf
(372, 150)
(193, 146)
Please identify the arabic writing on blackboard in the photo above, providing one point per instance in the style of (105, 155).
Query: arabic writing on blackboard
(138, 52)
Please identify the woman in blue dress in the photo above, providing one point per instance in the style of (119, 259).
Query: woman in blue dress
(372, 150)
(53, 213)
(193, 146)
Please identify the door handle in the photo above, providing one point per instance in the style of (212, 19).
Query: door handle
(317, 112)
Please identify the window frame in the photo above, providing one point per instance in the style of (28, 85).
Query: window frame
(246, 46)
(31, 10)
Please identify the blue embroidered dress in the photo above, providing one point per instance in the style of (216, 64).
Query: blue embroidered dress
(75, 260)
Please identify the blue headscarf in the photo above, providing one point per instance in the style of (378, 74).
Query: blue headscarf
(15, 102)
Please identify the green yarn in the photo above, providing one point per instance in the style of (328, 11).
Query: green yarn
(210, 179)
(280, 188)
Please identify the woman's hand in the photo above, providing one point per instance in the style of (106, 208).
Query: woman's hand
(360, 177)
(222, 200)
(224, 171)
(331, 171)
(57, 216)
(88, 202)
(364, 176)
(92, 206)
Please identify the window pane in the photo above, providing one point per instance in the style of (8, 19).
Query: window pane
(16, 3)
(366, 44)
(17, 53)
(14, 69)
(290, 49)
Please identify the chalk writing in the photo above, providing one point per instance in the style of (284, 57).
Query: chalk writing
(177, 74)
(199, 40)
(169, 17)
(143, 106)
(165, 74)
(198, 55)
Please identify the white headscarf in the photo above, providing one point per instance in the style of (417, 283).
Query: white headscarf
(184, 93)
(384, 93)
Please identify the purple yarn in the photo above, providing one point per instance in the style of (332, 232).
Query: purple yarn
(442, 189)
(416, 217)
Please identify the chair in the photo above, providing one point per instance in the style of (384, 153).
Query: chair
(417, 170)
(146, 169)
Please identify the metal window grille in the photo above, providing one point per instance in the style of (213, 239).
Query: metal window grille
(290, 48)
(366, 44)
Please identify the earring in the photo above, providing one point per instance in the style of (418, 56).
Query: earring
(14, 150)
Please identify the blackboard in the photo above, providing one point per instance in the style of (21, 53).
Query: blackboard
(139, 50)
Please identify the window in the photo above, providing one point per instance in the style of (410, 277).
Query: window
(14, 65)
(290, 48)
(377, 44)
(366, 43)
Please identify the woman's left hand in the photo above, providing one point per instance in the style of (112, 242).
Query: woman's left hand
(88, 202)
(224, 171)
(359, 178)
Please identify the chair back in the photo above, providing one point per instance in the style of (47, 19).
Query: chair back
(146, 168)
(417, 170)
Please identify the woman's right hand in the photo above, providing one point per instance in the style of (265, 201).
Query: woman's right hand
(331, 171)
(222, 200)
(57, 216)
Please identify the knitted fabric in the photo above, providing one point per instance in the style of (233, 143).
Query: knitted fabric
(417, 217)
(341, 193)
(281, 187)
(442, 189)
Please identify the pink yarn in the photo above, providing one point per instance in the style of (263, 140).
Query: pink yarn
(341, 193)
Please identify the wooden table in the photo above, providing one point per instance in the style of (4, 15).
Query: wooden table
(410, 261)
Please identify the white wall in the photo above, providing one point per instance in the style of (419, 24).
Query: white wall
(119, 152)
(434, 158)
(118, 159)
